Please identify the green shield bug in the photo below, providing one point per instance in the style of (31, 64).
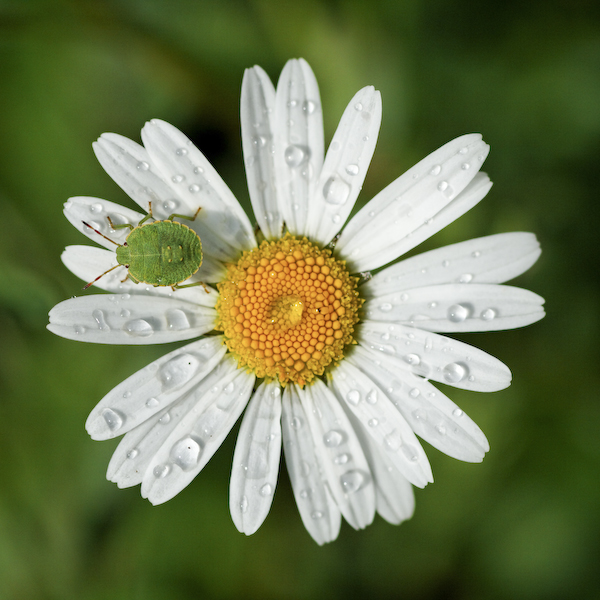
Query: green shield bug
(160, 253)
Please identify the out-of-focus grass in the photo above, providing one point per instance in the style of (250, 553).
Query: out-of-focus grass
(525, 523)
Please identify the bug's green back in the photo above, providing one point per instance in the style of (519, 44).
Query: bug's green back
(161, 253)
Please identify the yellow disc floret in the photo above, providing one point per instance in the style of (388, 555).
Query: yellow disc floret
(288, 310)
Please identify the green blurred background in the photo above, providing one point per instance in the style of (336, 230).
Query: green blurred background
(525, 523)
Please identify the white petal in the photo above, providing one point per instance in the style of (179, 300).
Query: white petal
(257, 107)
(256, 459)
(458, 307)
(432, 415)
(418, 204)
(491, 259)
(395, 499)
(345, 166)
(435, 356)
(222, 224)
(94, 211)
(298, 142)
(382, 422)
(343, 463)
(87, 262)
(131, 167)
(154, 387)
(199, 434)
(130, 319)
(319, 513)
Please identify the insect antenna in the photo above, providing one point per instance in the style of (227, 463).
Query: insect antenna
(106, 238)
(103, 274)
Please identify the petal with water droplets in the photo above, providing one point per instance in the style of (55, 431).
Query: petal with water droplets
(381, 421)
(416, 205)
(431, 415)
(298, 142)
(345, 468)
(257, 107)
(345, 167)
(318, 510)
(256, 459)
(154, 387)
(130, 319)
(458, 307)
(435, 356)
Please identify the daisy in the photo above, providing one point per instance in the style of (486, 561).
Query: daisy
(330, 363)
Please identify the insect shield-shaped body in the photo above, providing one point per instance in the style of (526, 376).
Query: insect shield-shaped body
(160, 253)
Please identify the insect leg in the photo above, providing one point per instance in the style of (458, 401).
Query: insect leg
(148, 216)
(186, 217)
(187, 285)
(99, 276)
(120, 225)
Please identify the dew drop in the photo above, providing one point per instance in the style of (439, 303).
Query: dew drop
(316, 515)
(465, 166)
(476, 254)
(393, 441)
(266, 490)
(138, 328)
(177, 320)
(181, 151)
(98, 316)
(373, 422)
(352, 481)
(410, 452)
(333, 438)
(113, 419)
(143, 166)
(169, 205)
(177, 178)
(229, 387)
(178, 371)
(244, 504)
(296, 423)
(358, 106)
(436, 170)
(194, 188)
(96, 207)
(463, 150)
(465, 278)
(152, 402)
(455, 372)
(414, 393)
(352, 169)
(161, 471)
(309, 107)
(458, 313)
(412, 359)
(306, 493)
(341, 459)
(385, 307)
(372, 397)
(442, 185)
(385, 336)
(295, 155)
(185, 453)
(420, 415)
(165, 419)
(336, 190)
(125, 313)
(336, 218)
(488, 314)
(440, 429)
(80, 329)
(353, 397)
(198, 170)
(133, 453)
(457, 412)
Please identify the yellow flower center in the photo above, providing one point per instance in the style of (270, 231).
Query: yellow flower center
(288, 310)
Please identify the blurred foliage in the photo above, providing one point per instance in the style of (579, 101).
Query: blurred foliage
(523, 525)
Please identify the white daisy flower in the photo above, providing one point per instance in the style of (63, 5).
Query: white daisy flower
(335, 367)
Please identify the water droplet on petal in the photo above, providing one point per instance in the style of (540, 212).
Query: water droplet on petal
(412, 359)
(455, 372)
(333, 438)
(177, 178)
(465, 278)
(353, 397)
(341, 459)
(435, 170)
(457, 412)
(143, 166)
(194, 188)
(161, 471)
(113, 419)
(414, 393)
(385, 307)
(138, 328)
(372, 397)
(98, 316)
(352, 481)
(465, 166)
(181, 151)
(316, 514)
(352, 170)
(393, 441)
(309, 107)
(133, 453)
(244, 504)
(185, 453)
(457, 313)
(177, 320)
(296, 423)
(266, 490)
(152, 402)
(295, 155)
(336, 190)
(358, 106)
(229, 387)
(178, 371)
(373, 422)
(488, 314)
(166, 418)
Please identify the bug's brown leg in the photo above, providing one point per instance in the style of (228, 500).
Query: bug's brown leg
(186, 217)
(148, 216)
